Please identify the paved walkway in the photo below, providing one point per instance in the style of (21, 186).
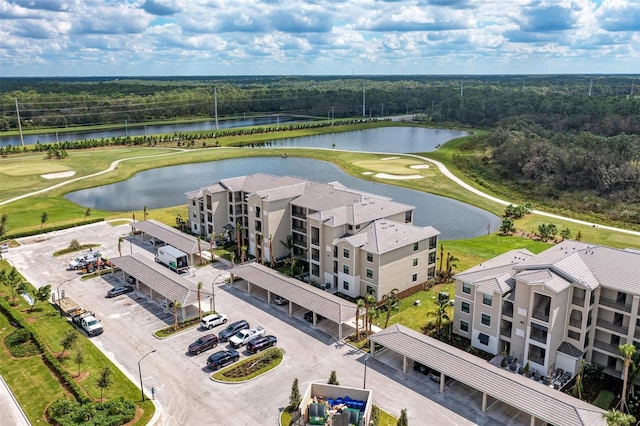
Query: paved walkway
(10, 411)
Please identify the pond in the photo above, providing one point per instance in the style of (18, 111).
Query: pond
(166, 186)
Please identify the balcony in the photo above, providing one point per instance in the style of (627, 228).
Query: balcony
(538, 335)
(505, 331)
(537, 359)
(507, 309)
(541, 311)
(575, 322)
(578, 301)
(606, 347)
(614, 304)
(618, 328)
(637, 332)
(299, 213)
(299, 229)
(315, 242)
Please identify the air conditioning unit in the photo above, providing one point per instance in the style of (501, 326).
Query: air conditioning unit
(327, 286)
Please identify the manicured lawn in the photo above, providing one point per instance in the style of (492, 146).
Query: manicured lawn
(251, 367)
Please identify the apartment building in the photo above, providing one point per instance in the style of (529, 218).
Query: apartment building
(350, 241)
(569, 302)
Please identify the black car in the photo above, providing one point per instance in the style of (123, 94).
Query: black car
(261, 343)
(204, 343)
(308, 317)
(222, 358)
(117, 291)
(421, 368)
(232, 329)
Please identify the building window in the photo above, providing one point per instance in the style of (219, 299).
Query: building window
(345, 285)
(335, 251)
(466, 288)
(414, 278)
(464, 326)
(369, 273)
(573, 335)
(465, 307)
(345, 269)
(335, 266)
(371, 291)
(416, 246)
(415, 262)
(486, 299)
(193, 202)
(369, 257)
(257, 211)
(345, 253)
(483, 338)
(486, 320)
(433, 243)
(432, 257)
(258, 226)
(431, 272)
(408, 216)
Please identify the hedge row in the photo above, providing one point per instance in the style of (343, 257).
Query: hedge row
(51, 229)
(48, 357)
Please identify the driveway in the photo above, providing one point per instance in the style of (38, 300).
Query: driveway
(184, 392)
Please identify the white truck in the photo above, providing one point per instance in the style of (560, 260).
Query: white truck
(175, 259)
(81, 317)
(243, 337)
(81, 261)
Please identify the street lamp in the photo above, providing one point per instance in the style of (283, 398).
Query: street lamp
(213, 291)
(364, 383)
(370, 109)
(58, 293)
(140, 372)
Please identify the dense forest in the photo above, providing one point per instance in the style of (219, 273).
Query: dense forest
(566, 141)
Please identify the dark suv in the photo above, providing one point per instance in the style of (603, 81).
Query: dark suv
(232, 329)
(222, 358)
(261, 343)
(204, 343)
(308, 317)
(421, 368)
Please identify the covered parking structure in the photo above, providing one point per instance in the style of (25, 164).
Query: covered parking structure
(156, 280)
(318, 301)
(168, 235)
(526, 395)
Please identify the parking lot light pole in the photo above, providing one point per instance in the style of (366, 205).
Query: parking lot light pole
(364, 384)
(140, 372)
(213, 291)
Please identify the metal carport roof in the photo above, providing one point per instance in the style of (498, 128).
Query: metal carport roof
(171, 236)
(533, 398)
(158, 278)
(319, 301)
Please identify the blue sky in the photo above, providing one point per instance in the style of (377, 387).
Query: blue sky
(318, 37)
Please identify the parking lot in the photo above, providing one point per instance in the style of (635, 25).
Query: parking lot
(184, 392)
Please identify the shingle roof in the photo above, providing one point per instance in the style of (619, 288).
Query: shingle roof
(384, 235)
(569, 349)
(321, 302)
(545, 277)
(160, 279)
(171, 236)
(524, 394)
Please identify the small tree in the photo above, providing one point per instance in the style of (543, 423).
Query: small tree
(508, 226)
(145, 213)
(627, 351)
(618, 418)
(105, 380)
(41, 294)
(200, 250)
(87, 213)
(68, 341)
(176, 305)
(359, 305)
(3, 225)
(120, 240)
(451, 265)
(565, 234)
(43, 218)
(78, 358)
(403, 420)
(75, 245)
(333, 378)
(294, 397)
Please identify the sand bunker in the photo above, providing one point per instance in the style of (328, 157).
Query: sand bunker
(367, 173)
(419, 166)
(59, 175)
(398, 177)
(389, 158)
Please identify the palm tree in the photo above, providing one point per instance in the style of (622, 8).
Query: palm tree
(3, 225)
(120, 241)
(288, 244)
(441, 259)
(359, 305)
(200, 250)
(391, 303)
(368, 301)
(627, 351)
(271, 258)
(239, 236)
(440, 313)
(211, 241)
(43, 218)
(87, 213)
(145, 213)
(243, 254)
(261, 249)
(291, 261)
(618, 418)
(200, 285)
(176, 305)
(450, 264)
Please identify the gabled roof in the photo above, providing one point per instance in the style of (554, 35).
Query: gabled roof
(498, 284)
(384, 235)
(531, 397)
(319, 301)
(158, 278)
(544, 277)
(171, 236)
(258, 182)
(569, 349)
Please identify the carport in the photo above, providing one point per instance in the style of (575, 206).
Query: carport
(168, 235)
(526, 395)
(157, 279)
(332, 307)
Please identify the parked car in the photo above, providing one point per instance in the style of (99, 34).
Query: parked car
(213, 320)
(117, 291)
(232, 329)
(166, 304)
(308, 317)
(261, 343)
(131, 279)
(435, 376)
(279, 300)
(222, 358)
(204, 343)
(421, 368)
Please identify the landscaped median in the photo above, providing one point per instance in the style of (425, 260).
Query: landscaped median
(250, 368)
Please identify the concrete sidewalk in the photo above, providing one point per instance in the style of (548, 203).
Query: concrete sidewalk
(10, 411)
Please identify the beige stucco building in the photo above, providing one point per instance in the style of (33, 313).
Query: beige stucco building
(350, 241)
(571, 301)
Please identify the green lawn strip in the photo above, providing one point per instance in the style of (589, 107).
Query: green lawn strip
(604, 399)
(219, 375)
(386, 419)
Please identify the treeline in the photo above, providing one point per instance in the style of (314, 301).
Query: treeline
(605, 105)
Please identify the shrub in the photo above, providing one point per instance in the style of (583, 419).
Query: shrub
(111, 413)
(75, 245)
(21, 344)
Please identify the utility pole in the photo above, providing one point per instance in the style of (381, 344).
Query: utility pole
(19, 123)
(215, 104)
(461, 88)
(590, 86)
(364, 97)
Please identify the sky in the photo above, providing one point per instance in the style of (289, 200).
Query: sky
(56, 38)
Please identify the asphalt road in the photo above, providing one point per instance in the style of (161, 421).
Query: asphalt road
(184, 392)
